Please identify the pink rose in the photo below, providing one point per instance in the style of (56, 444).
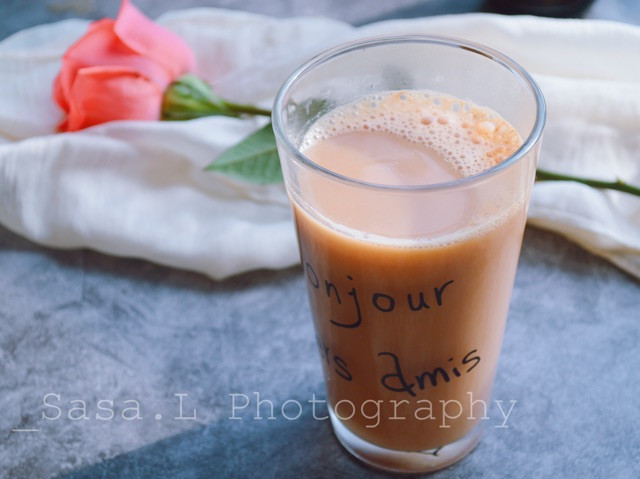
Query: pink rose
(119, 70)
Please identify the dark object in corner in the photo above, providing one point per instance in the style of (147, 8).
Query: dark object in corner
(544, 8)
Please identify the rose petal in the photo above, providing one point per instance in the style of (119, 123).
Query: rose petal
(153, 41)
(71, 61)
(100, 46)
(101, 94)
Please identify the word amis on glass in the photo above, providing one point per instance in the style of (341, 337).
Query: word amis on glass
(397, 380)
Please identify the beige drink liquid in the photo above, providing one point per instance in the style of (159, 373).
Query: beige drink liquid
(409, 299)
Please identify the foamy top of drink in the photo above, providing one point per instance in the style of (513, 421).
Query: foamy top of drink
(468, 137)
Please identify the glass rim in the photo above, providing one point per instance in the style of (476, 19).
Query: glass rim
(527, 145)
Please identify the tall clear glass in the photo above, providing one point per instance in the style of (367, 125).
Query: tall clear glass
(409, 284)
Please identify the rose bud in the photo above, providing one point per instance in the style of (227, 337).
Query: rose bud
(119, 70)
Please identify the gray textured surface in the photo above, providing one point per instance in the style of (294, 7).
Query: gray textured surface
(89, 327)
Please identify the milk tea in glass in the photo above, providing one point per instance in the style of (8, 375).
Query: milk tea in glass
(409, 162)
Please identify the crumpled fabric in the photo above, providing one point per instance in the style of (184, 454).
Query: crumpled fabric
(138, 189)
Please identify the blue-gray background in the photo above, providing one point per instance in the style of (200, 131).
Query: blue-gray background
(82, 327)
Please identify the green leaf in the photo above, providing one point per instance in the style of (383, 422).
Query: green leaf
(312, 108)
(254, 159)
(307, 112)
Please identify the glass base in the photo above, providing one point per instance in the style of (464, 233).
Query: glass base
(400, 461)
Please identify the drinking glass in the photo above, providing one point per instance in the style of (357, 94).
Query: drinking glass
(409, 285)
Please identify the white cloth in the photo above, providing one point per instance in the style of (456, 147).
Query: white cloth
(138, 189)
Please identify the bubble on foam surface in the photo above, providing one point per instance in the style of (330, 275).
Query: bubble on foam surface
(469, 137)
